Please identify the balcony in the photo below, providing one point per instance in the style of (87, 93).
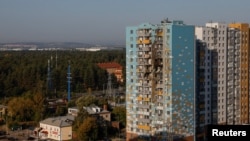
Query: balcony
(230, 47)
(139, 98)
(160, 33)
(142, 62)
(159, 41)
(230, 77)
(145, 41)
(143, 33)
(146, 99)
(230, 53)
(236, 83)
(146, 48)
(144, 127)
(230, 71)
(144, 106)
(160, 93)
(230, 65)
(159, 85)
(159, 108)
(237, 53)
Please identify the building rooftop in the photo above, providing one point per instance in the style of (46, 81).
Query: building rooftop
(62, 121)
(93, 109)
(109, 65)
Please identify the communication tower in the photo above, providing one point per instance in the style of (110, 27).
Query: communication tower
(69, 81)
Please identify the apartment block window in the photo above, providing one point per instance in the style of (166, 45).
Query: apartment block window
(131, 31)
(131, 45)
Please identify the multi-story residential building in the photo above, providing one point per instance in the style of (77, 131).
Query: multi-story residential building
(243, 71)
(220, 75)
(233, 76)
(160, 82)
(212, 47)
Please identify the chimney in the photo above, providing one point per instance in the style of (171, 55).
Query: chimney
(105, 107)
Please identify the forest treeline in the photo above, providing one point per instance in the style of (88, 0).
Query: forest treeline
(47, 71)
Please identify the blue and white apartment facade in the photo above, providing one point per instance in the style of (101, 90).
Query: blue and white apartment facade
(161, 81)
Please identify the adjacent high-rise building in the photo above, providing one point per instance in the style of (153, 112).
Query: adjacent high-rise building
(223, 72)
(243, 71)
(217, 72)
(160, 81)
(233, 77)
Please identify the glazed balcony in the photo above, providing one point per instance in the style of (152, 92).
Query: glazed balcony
(145, 41)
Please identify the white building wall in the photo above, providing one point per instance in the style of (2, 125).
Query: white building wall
(221, 47)
(53, 131)
(204, 34)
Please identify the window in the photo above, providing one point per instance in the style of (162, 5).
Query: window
(131, 31)
(131, 45)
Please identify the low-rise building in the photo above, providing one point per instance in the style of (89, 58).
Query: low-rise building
(73, 111)
(93, 110)
(56, 128)
(113, 68)
(99, 113)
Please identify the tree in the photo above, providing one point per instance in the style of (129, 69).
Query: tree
(119, 114)
(38, 102)
(86, 100)
(21, 109)
(88, 130)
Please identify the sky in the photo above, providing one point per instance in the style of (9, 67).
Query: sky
(105, 21)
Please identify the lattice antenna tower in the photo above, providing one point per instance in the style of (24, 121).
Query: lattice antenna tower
(49, 76)
(69, 82)
(109, 86)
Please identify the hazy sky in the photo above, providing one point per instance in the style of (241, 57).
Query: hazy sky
(104, 21)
